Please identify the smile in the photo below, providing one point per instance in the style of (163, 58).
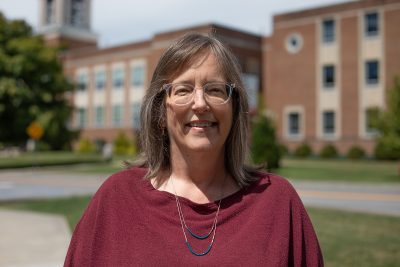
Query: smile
(201, 124)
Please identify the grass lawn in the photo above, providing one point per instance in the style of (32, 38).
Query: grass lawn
(356, 239)
(339, 170)
(38, 159)
(347, 239)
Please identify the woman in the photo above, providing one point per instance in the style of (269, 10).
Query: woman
(193, 201)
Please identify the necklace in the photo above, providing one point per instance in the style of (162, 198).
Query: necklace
(197, 236)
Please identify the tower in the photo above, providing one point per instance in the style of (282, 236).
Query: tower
(67, 22)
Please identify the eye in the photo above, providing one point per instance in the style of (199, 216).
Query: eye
(215, 89)
(182, 89)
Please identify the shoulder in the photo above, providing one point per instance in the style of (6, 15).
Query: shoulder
(276, 182)
(129, 179)
(275, 188)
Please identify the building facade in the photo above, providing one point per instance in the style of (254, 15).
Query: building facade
(327, 70)
(322, 73)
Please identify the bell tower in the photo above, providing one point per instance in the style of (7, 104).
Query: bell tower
(67, 22)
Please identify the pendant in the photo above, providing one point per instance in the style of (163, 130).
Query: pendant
(198, 254)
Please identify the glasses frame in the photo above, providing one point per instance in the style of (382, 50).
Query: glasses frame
(167, 87)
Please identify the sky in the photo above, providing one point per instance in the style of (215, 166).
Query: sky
(123, 21)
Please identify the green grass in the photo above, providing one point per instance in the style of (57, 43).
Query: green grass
(38, 159)
(339, 170)
(346, 239)
(355, 239)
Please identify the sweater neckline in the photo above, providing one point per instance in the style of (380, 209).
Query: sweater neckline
(227, 200)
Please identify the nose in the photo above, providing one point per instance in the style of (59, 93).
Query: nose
(199, 102)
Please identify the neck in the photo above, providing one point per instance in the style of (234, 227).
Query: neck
(198, 176)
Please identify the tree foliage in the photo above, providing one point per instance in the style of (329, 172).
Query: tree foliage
(32, 87)
(265, 148)
(388, 143)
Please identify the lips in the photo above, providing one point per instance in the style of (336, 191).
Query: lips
(201, 124)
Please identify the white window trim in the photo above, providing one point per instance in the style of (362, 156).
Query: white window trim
(286, 131)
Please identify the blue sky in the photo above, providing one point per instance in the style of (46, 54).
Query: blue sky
(123, 21)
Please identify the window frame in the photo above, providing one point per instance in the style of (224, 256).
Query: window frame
(290, 126)
(117, 117)
(374, 80)
(103, 80)
(82, 117)
(137, 80)
(367, 24)
(332, 129)
(328, 36)
(118, 78)
(325, 83)
(99, 123)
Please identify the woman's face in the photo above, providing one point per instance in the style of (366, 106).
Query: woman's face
(199, 126)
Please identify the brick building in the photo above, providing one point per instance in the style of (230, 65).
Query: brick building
(327, 69)
(320, 72)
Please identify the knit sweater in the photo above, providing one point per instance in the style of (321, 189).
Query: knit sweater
(130, 223)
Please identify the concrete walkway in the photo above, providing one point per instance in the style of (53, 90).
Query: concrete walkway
(29, 239)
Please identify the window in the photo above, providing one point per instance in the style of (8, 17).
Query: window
(100, 80)
(118, 78)
(294, 123)
(371, 119)
(99, 116)
(82, 81)
(136, 115)
(328, 122)
(328, 76)
(81, 117)
(77, 13)
(294, 43)
(372, 72)
(328, 31)
(137, 76)
(49, 12)
(117, 115)
(371, 22)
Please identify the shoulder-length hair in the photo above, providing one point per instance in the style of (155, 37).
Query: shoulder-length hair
(154, 140)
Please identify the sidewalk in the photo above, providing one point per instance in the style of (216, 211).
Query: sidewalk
(29, 239)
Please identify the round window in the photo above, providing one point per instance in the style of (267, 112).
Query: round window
(293, 43)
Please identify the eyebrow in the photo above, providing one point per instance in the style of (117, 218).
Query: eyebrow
(189, 81)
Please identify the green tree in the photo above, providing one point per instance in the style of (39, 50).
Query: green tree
(388, 125)
(264, 145)
(32, 87)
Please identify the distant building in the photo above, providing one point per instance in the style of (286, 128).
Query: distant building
(111, 81)
(326, 69)
(321, 72)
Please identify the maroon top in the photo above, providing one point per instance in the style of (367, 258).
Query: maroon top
(129, 223)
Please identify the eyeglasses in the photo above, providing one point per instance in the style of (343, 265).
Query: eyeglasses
(215, 93)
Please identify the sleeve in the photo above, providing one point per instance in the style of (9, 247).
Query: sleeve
(304, 248)
(83, 245)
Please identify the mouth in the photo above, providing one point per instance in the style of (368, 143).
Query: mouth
(201, 124)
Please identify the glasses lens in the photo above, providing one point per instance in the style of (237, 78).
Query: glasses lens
(214, 93)
(181, 93)
(217, 93)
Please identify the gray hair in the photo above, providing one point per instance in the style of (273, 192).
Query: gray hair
(154, 139)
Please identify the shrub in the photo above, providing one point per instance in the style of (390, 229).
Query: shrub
(284, 150)
(303, 151)
(124, 146)
(328, 151)
(264, 147)
(86, 146)
(388, 148)
(355, 152)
